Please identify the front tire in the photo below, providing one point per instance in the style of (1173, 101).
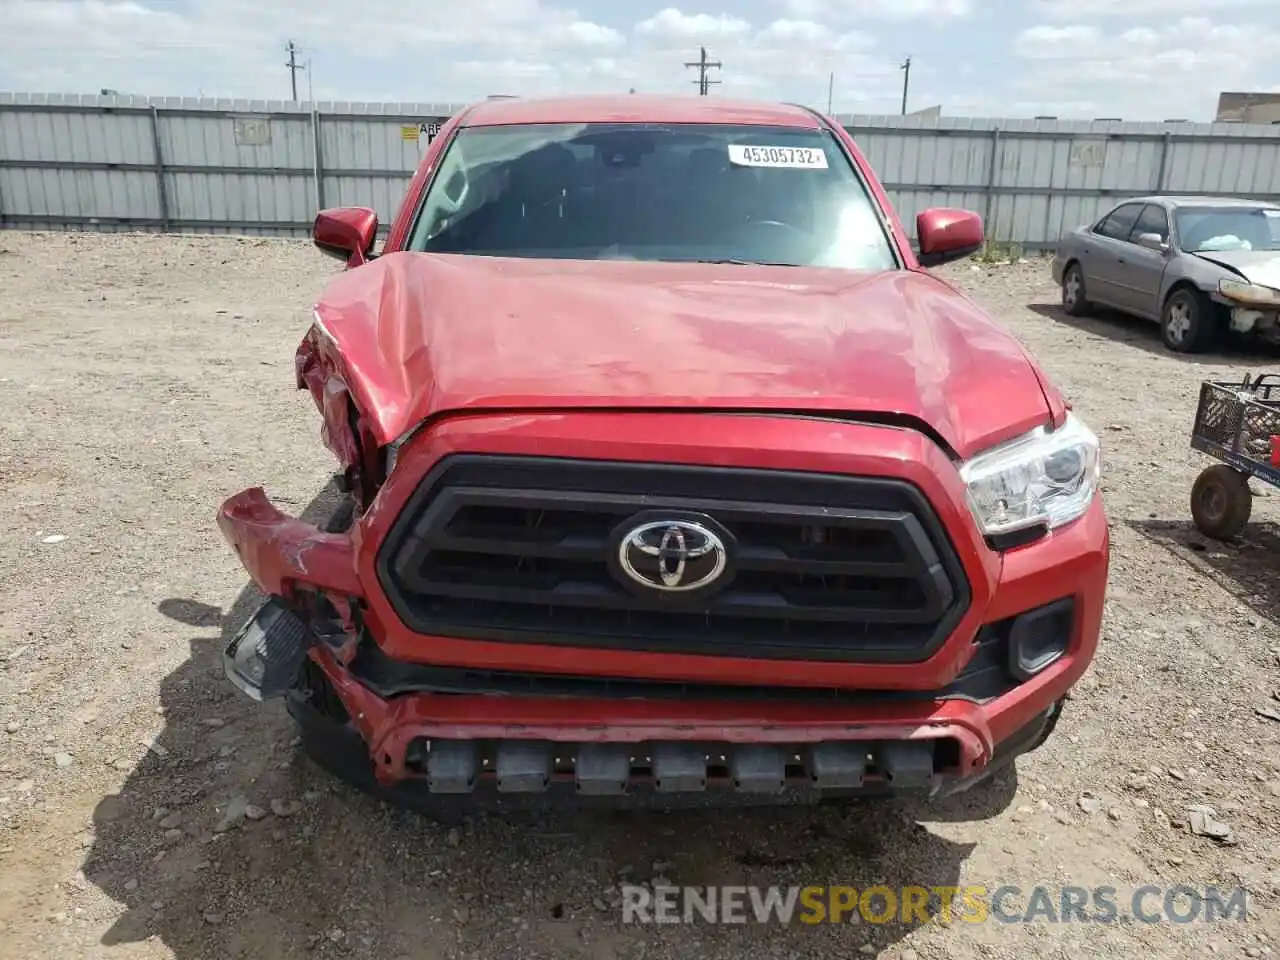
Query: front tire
(1186, 323)
(1074, 301)
(1221, 502)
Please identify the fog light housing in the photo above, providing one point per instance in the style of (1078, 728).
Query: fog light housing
(1040, 637)
(262, 660)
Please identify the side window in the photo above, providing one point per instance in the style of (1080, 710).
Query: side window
(449, 190)
(1119, 224)
(1153, 219)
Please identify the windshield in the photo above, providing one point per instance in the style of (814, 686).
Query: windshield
(1205, 229)
(652, 192)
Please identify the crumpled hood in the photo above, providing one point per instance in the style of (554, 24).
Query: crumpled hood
(421, 335)
(1256, 266)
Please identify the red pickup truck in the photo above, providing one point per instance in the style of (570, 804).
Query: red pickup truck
(668, 466)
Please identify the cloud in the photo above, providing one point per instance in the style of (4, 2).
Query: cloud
(1178, 66)
(235, 48)
(790, 31)
(74, 46)
(594, 35)
(814, 37)
(1088, 10)
(220, 38)
(672, 24)
(1085, 58)
(844, 11)
(1046, 42)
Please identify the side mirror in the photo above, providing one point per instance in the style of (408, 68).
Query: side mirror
(946, 234)
(1153, 241)
(346, 233)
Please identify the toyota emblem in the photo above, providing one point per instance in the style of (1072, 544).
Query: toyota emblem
(672, 555)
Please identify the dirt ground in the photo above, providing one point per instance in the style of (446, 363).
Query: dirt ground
(143, 379)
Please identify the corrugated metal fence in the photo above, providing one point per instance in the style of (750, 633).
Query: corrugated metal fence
(264, 167)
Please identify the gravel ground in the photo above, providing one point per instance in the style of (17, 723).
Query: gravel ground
(147, 811)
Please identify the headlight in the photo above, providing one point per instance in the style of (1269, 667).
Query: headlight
(1041, 477)
(1253, 294)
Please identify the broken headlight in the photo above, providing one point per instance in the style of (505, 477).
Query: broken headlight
(1041, 478)
(1250, 294)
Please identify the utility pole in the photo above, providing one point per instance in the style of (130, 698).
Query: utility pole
(906, 82)
(703, 65)
(831, 86)
(294, 66)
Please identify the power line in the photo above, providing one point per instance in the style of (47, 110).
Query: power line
(703, 65)
(294, 66)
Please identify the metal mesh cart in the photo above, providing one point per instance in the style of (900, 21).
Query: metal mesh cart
(1238, 424)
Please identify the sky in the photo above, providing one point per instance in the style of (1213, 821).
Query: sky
(1134, 59)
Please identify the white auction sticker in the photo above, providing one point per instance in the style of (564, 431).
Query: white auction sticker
(803, 158)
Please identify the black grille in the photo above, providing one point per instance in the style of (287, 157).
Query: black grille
(824, 567)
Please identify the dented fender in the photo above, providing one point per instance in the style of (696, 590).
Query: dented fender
(317, 364)
(321, 370)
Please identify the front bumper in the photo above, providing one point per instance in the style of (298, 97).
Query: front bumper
(452, 743)
(895, 725)
(1249, 321)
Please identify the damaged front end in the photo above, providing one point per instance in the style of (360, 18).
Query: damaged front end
(465, 447)
(308, 573)
(1254, 308)
(313, 594)
(459, 732)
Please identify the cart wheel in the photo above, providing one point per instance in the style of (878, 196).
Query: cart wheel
(1221, 502)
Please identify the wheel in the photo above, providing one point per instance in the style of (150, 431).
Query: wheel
(1186, 323)
(330, 740)
(1221, 502)
(1074, 302)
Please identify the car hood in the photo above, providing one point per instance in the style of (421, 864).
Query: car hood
(1256, 266)
(421, 335)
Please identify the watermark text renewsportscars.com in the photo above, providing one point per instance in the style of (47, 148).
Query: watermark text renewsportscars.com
(913, 905)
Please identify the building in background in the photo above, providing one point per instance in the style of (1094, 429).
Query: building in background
(1248, 108)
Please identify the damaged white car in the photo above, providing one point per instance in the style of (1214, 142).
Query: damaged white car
(1199, 266)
